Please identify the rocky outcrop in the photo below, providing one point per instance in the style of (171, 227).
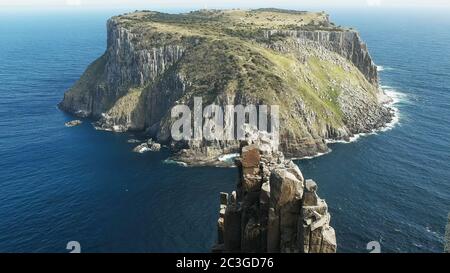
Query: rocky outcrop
(274, 209)
(73, 123)
(150, 145)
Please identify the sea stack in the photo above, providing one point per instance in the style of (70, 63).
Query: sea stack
(274, 209)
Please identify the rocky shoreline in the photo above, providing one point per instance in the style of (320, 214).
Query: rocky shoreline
(192, 159)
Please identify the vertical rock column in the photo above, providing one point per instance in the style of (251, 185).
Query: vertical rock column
(286, 190)
(249, 193)
(315, 230)
(273, 209)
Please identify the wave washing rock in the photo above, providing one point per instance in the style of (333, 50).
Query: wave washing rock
(73, 123)
(149, 146)
(321, 76)
(273, 209)
(447, 236)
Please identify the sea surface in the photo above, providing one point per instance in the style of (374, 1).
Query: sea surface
(61, 184)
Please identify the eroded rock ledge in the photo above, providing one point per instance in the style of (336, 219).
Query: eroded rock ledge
(274, 209)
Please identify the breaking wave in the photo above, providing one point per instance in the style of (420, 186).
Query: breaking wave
(394, 98)
(383, 68)
(228, 158)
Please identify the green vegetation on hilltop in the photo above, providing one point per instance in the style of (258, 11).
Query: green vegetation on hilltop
(218, 22)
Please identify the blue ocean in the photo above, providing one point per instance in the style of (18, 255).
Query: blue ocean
(61, 184)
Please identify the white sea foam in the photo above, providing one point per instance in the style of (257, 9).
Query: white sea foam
(313, 156)
(180, 163)
(393, 98)
(397, 97)
(228, 157)
(98, 128)
(428, 229)
(383, 68)
(351, 139)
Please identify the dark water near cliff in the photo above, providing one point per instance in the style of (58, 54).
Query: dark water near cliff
(60, 184)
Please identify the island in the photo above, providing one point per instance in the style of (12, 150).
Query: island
(320, 75)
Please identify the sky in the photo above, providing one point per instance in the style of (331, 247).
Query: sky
(166, 4)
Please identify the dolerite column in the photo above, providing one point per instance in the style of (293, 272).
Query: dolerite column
(273, 208)
(316, 235)
(232, 227)
(251, 182)
(286, 192)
